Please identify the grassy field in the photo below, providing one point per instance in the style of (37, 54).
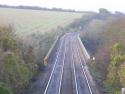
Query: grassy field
(28, 21)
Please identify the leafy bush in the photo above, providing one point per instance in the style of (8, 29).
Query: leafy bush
(7, 42)
(116, 73)
(4, 89)
(15, 71)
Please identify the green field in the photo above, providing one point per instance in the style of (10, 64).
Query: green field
(28, 21)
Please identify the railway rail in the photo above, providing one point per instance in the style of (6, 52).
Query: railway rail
(69, 45)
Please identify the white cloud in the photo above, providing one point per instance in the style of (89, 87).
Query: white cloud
(72, 4)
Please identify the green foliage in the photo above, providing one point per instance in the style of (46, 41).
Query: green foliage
(111, 90)
(117, 50)
(116, 74)
(117, 54)
(121, 73)
(7, 42)
(118, 60)
(15, 71)
(4, 89)
(112, 76)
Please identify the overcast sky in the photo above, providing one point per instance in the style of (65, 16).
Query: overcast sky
(85, 5)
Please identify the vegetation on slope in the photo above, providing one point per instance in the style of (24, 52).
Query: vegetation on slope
(114, 40)
(21, 59)
(14, 72)
(116, 72)
(108, 67)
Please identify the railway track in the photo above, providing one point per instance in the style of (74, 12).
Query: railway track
(82, 82)
(68, 81)
(68, 75)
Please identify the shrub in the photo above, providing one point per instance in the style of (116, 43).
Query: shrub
(4, 89)
(15, 72)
